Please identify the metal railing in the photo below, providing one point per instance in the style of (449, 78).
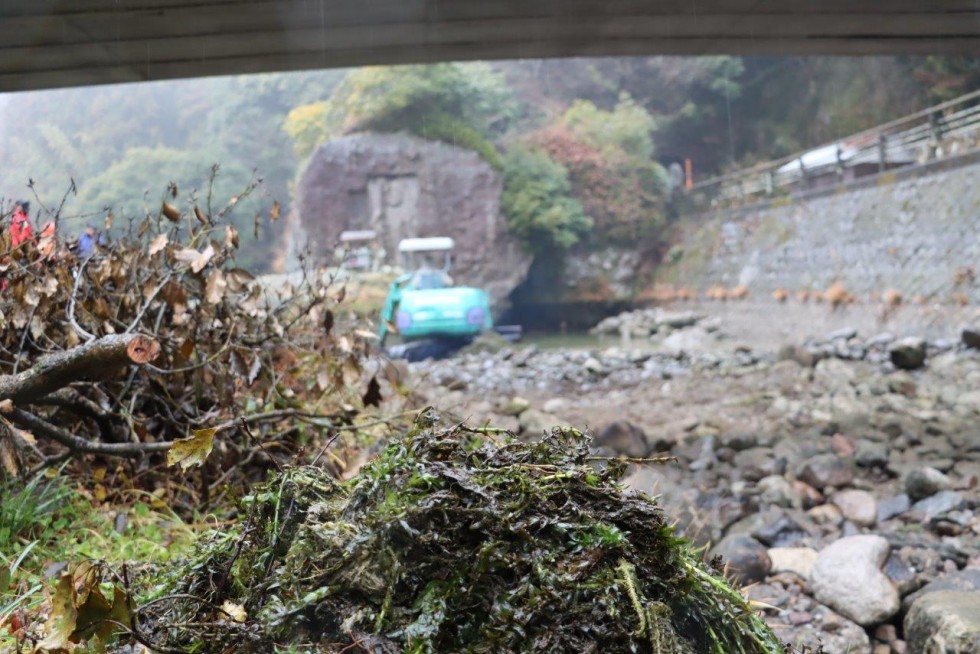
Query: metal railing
(941, 131)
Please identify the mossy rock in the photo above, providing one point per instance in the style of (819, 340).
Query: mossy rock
(456, 540)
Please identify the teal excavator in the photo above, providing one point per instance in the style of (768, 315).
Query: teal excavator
(424, 309)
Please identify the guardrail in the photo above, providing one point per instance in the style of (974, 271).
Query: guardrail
(941, 131)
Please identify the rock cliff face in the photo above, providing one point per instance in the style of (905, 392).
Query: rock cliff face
(402, 187)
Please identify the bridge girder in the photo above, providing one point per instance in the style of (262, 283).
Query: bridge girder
(59, 43)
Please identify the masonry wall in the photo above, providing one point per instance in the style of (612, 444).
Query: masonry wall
(908, 230)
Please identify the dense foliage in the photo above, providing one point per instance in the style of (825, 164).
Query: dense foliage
(537, 203)
(610, 159)
(461, 104)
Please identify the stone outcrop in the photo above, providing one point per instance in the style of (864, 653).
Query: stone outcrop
(403, 186)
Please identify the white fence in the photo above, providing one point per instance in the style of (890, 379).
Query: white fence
(948, 129)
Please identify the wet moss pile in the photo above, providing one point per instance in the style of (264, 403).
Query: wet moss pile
(454, 540)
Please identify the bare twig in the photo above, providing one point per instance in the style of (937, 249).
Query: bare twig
(77, 444)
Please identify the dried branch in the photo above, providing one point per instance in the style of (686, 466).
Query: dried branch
(41, 427)
(96, 360)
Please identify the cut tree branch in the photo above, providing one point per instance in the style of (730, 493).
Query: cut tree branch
(96, 360)
(77, 444)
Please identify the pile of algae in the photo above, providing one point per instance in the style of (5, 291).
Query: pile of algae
(453, 540)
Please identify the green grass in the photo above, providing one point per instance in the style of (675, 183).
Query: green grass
(47, 521)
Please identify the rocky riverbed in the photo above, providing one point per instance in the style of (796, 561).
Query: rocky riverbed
(838, 477)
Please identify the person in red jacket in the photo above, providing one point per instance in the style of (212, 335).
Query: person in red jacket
(20, 225)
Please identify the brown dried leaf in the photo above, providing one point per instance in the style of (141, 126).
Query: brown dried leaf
(8, 458)
(253, 371)
(186, 255)
(171, 212)
(175, 296)
(201, 218)
(157, 244)
(234, 611)
(231, 237)
(197, 260)
(238, 279)
(203, 259)
(186, 349)
(274, 212)
(63, 617)
(192, 451)
(214, 290)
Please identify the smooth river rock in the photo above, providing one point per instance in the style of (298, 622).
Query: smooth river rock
(848, 578)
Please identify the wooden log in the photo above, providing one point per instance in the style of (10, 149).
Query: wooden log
(93, 361)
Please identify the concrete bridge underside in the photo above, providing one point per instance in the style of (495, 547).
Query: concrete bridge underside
(59, 43)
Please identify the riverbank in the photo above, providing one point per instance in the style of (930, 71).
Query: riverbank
(842, 490)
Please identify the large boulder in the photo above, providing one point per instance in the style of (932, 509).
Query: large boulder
(402, 186)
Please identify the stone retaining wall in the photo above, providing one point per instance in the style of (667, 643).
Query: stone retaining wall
(909, 231)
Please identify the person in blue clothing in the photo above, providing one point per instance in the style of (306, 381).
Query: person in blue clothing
(88, 241)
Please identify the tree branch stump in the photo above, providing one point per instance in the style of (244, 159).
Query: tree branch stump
(93, 361)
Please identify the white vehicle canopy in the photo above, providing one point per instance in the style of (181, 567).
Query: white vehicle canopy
(357, 235)
(431, 244)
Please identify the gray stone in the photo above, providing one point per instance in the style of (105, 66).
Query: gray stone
(892, 506)
(924, 482)
(858, 506)
(901, 574)
(908, 353)
(880, 340)
(797, 353)
(829, 632)
(623, 437)
(534, 423)
(687, 341)
(944, 622)
(774, 527)
(798, 560)
(755, 463)
(834, 374)
(967, 579)
(941, 502)
(738, 440)
(844, 333)
(595, 366)
(776, 490)
(677, 319)
(515, 406)
(971, 337)
(847, 577)
(746, 557)
(870, 454)
(825, 470)
(786, 375)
